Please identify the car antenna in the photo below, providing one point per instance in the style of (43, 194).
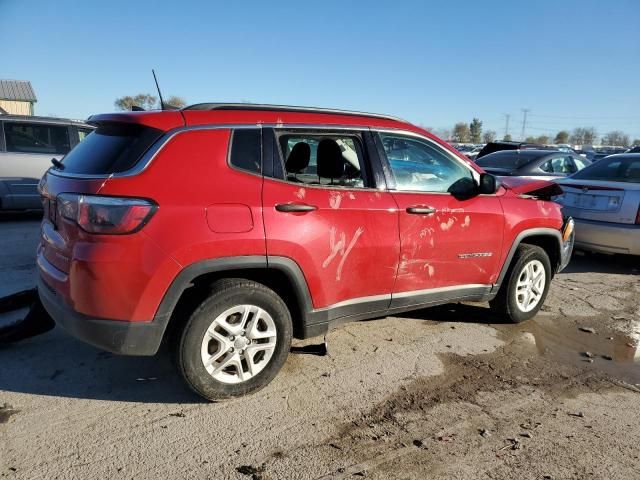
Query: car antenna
(158, 87)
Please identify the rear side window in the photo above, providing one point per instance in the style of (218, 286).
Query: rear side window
(509, 159)
(36, 138)
(111, 148)
(615, 169)
(246, 149)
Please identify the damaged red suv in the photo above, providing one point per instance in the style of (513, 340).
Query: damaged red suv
(225, 230)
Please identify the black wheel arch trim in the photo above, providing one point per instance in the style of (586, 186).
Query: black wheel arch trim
(531, 232)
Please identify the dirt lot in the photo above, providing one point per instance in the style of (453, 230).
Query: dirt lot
(439, 393)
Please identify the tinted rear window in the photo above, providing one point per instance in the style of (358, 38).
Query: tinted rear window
(614, 169)
(510, 159)
(110, 149)
(245, 149)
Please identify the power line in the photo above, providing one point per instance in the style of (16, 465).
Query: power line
(578, 117)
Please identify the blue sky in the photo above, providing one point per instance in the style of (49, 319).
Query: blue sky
(573, 63)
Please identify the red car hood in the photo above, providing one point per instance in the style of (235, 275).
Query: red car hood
(527, 186)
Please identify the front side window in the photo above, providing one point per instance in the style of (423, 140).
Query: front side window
(36, 138)
(580, 163)
(421, 166)
(560, 165)
(323, 158)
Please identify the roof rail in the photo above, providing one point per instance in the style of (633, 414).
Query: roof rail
(285, 108)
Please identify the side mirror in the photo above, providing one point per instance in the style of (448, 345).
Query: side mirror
(488, 184)
(464, 188)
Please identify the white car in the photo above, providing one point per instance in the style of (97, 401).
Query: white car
(27, 146)
(604, 201)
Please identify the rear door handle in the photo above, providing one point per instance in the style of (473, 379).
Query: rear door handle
(421, 210)
(295, 207)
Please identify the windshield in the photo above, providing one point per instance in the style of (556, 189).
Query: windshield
(613, 169)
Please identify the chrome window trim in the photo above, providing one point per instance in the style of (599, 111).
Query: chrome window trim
(157, 147)
(475, 174)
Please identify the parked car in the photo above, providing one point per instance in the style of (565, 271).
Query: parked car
(472, 154)
(604, 200)
(225, 229)
(532, 163)
(27, 145)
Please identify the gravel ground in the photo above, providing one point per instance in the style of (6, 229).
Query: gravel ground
(446, 392)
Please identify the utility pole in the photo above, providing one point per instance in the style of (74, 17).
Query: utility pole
(506, 127)
(524, 122)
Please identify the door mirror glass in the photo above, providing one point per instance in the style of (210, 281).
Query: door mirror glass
(488, 184)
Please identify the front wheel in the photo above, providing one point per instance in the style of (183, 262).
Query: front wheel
(236, 341)
(525, 286)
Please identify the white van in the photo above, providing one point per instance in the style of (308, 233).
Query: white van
(27, 145)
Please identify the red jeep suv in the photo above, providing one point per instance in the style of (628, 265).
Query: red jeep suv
(225, 230)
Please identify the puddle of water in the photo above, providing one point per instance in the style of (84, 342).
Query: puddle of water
(613, 352)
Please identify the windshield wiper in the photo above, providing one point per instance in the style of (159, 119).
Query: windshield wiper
(57, 163)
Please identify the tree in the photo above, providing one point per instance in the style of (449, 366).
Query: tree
(176, 101)
(489, 136)
(475, 130)
(507, 138)
(583, 136)
(460, 133)
(542, 139)
(147, 101)
(443, 133)
(531, 140)
(590, 136)
(562, 137)
(142, 100)
(616, 139)
(636, 142)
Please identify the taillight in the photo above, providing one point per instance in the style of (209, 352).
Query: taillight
(105, 215)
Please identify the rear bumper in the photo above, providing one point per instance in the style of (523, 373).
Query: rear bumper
(607, 237)
(124, 338)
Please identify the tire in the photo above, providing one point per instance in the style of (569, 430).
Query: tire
(243, 331)
(512, 302)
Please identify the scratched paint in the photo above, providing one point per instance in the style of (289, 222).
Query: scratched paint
(335, 199)
(467, 222)
(300, 193)
(338, 246)
(446, 226)
(352, 196)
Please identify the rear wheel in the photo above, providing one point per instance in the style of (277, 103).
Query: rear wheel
(525, 286)
(236, 341)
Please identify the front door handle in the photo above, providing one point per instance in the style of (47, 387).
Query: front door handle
(295, 207)
(421, 210)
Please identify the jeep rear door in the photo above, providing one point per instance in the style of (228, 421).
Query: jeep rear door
(324, 211)
(448, 246)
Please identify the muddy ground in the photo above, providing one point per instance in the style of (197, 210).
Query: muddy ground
(443, 393)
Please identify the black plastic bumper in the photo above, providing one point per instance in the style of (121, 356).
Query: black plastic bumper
(124, 338)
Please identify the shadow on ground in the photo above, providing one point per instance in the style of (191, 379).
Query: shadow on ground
(56, 364)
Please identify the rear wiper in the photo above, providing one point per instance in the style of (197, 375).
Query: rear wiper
(57, 163)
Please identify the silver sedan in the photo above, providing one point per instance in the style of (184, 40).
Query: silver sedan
(604, 201)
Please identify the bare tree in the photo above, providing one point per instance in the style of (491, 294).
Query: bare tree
(176, 101)
(489, 136)
(147, 102)
(583, 136)
(616, 139)
(460, 132)
(507, 138)
(142, 100)
(542, 139)
(443, 133)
